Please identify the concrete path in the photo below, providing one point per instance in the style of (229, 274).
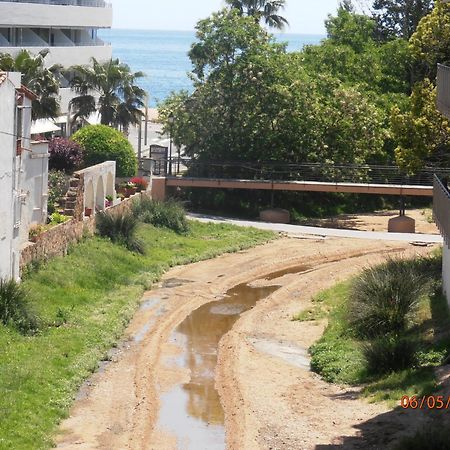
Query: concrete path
(300, 230)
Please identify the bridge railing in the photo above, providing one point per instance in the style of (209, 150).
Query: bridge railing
(279, 171)
(441, 207)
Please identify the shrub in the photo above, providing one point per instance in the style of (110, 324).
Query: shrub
(101, 143)
(14, 307)
(390, 354)
(57, 188)
(431, 438)
(169, 214)
(121, 229)
(56, 218)
(383, 299)
(65, 155)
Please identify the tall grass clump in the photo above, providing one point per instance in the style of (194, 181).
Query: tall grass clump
(169, 214)
(15, 309)
(121, 229)
(390, 354)
(384, 298)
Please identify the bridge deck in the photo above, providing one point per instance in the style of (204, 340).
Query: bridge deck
(302, 186)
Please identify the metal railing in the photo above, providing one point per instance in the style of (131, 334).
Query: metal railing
(87, 3)
(443, 90)
(321, 173)
(441, 207)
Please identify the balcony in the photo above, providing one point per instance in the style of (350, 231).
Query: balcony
(87, 3)
(443, 90)
(55, 14)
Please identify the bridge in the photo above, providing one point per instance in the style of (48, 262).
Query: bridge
(274, 176)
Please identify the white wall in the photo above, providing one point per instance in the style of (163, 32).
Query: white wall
(9, 258)
(23, 179)
(39, 16)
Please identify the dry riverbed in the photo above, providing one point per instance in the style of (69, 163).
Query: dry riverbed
(152, 396)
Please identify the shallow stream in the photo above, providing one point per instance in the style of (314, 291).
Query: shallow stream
(192, 411)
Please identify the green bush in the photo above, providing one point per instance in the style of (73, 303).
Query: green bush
(14, 307)
(431, 438)
(390, 354)
(169, 214)
(102, 143)
(384, 298)
(121, 229)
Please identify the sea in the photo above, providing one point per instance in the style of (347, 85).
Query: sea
(162, 56)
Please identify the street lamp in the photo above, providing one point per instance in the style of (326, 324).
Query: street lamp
(170, 120)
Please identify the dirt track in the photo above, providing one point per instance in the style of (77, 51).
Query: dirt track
(270, 398)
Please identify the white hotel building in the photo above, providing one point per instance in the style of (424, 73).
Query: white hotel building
(68, 28)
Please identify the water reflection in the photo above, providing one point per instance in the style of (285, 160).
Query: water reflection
(193, 411)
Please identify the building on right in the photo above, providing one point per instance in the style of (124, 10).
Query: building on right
(441, 194)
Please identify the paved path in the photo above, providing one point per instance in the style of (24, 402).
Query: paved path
(300, 230)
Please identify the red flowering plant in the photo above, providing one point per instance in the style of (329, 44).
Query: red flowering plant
(140, 183)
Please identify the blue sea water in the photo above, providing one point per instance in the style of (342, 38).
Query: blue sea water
(162, 56)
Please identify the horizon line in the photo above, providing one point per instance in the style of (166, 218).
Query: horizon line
(193, 31)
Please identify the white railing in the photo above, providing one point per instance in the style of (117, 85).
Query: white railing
(87, 3)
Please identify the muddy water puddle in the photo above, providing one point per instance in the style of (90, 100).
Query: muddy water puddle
(192, 411)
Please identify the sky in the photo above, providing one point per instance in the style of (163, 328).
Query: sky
(304, 16)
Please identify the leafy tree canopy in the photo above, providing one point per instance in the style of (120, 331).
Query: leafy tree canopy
(255, 102)
(399, 18)
(422, 132)
(430, 44)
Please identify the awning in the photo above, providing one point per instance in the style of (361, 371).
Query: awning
(94, 119)
(42, 126)
(60, 119)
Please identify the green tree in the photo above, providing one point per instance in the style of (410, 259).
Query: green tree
(399, 18)
(351, 54)
(422, 133)
(349, 28)
(430, 44)
(266, 10)
(43, 81)
(120, 99)
(255, 102)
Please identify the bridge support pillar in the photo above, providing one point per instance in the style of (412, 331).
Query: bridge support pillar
(159, 188)
(402, 224)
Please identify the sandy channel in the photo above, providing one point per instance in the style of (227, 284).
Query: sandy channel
(270, 398)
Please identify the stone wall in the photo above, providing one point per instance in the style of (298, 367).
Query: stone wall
(57, 240)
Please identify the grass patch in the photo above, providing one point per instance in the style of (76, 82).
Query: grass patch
(85, 300)
(343, 356)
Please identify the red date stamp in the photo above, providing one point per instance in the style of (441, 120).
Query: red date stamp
(425, 402)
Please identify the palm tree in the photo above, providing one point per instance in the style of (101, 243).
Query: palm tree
(43, 81)
(262, 9)
(110, 88)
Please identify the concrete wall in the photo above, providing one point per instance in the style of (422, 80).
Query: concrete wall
(39, 16)
(446, 272)
(8, 260)
(34, 187)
